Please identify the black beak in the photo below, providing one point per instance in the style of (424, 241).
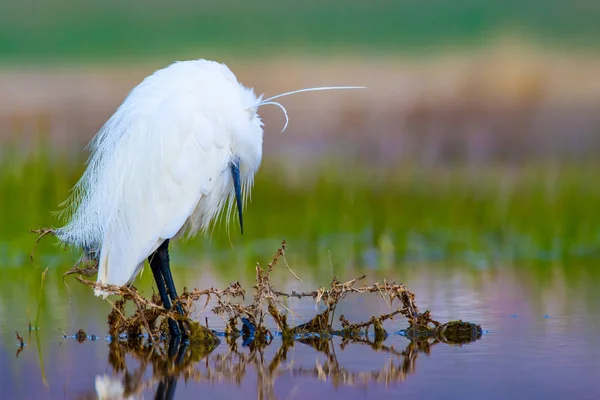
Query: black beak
(235, 174)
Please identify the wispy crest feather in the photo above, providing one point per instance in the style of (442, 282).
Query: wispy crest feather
(270, 101)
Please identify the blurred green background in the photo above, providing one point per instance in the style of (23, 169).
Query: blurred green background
(475, 146)
(59, 29)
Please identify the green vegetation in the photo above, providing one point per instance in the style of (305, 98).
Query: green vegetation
(407, 214)
(115, 29)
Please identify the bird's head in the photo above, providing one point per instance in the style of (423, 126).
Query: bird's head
(246, 130)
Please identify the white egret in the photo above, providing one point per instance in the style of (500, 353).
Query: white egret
(182, 149)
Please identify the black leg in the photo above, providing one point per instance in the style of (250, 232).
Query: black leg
(163, 254)
(156, 266)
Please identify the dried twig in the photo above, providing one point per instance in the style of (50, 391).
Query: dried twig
(41, 233)
(267, 300)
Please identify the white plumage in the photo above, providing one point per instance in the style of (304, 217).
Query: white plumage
(160, 166)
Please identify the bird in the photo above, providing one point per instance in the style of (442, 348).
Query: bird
(179, 152)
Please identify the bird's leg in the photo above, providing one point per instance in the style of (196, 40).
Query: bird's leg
(155, 265)
(163, 254)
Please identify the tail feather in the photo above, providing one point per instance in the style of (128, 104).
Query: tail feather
(119, 265)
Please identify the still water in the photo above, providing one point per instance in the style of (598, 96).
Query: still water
(540, 340)
(514, 255)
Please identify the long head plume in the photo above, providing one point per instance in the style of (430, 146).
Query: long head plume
(270, 101)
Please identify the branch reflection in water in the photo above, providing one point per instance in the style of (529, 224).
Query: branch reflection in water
(197, 363)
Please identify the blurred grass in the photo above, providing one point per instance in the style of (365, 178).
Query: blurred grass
(31, 30)
(371, 218)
